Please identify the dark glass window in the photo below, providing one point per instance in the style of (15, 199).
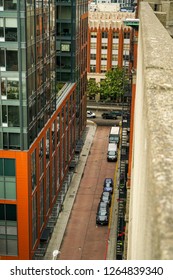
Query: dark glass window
(8, 229)
(115, 35)
(10, 34)
(11, 212)
(1, 28)
(13, 116)
(127, 35)
(1, 167)
(2, 212)
(93, 68)
(33, 169)
(9, 167)
(10, 5)
(2, 58)
(104, 34)
(93, 56)
(12, 60)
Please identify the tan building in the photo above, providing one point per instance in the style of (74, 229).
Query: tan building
(149, 221)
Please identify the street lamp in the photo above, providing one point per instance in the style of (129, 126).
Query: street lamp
(55, 254)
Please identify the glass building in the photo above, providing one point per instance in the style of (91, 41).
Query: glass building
(71, 50)
(38, 121)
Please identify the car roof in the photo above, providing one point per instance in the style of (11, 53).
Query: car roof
(108, 179)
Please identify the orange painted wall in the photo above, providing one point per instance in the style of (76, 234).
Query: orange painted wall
(21, 202)
(24, 191)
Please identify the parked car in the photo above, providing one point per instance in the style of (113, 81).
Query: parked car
(103, 205)
(102, 217)
(106, 197)
(112, 114)
(108, 181)
(90, 114)
(108, 188)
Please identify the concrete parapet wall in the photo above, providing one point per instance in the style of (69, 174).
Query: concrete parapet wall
(150, 234)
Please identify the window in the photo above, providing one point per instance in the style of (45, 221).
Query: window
(127, 35)
(93, 34)
(114, 57)
(41, 203)
(41, 156)
(34, 219)
(115, 35)
(53, 176)
(8, 230)
(10, 5)
(125, 57)
(115, 46)
(33, 170)
(53, 135)
(47, 145)
(104, 46)
(92, 69)
(62, 120)
(9, 89)
(93, 56)
(11, 60)
(93, 46)
(104, 57)
(7, 179)
(58, 128)
(11, 29)
(126, 47)
(104, 34)
(2, 29)
(103, 68)
(47, 189)
(58, 167)
(10, 116)
(2, 59)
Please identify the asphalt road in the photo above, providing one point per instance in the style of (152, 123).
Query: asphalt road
(103, 122)
(83, 239)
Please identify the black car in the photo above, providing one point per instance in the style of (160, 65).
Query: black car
(103, 205)
(106, 197)
(108, 185)
(108, 188)
(109, 115)
(102, 217)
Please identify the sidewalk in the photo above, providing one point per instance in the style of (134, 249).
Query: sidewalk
(60, 227)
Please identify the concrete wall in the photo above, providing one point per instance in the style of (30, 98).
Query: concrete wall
(150, 233)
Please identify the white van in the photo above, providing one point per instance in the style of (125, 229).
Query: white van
(114, 135)
(112, 152)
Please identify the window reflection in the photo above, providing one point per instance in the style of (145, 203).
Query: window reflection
(10, 34)
(12, 89)
(10, 116)
(12, 60)
(10, 5)
(9, 89)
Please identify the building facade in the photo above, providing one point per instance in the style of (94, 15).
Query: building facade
(37, 124)
(71, 51)
(108, 43)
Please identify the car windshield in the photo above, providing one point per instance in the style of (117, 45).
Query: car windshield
(102, 212)
(106, 194)
(102, 205)
(111, 153)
